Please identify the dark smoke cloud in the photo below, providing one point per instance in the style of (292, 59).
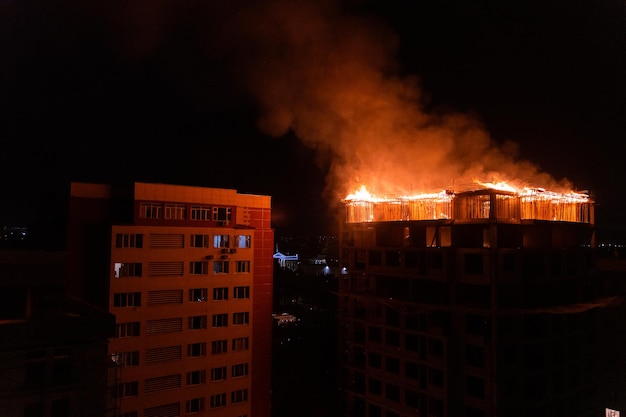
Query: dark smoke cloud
(331, 78)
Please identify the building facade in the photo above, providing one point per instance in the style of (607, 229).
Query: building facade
(53, 348)
(476, 304)
(187, 272)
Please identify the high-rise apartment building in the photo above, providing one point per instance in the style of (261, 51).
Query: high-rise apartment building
(187, 272)
(480, 303)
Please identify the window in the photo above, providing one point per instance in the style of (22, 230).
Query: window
(199, 241)
(127, 299)
(375, 386)
(196, 349)
(243, 241)
(240, 343)
(221, 241)
(240, 369)
(200, 213)
(411, 370)
(150, 211)
(220, 293)
(220, 267)
(219, 346)
(239, 396)
(220, 320)
(128, 240)
(475, 386)
(198, 294)
(196, 377)
(475, 355)
(199, 268)
(392, 338)
(175, 211)
(241, 292)
(222, 213)
(128, 389)
(126, 358)
(392, 392)
(241, 318)
(218, 400)
(392, 365)
(218, 374)
(127, 269)
(197, 322)
(127, 329)
(374, 360)
(195, 405)
(243, 266)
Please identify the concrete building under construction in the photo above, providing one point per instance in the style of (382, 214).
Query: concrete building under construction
(477, 304)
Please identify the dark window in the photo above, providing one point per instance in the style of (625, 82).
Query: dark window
(375, 334)
(375, 386)
(473, 263)
(475, 386)
(392, 365)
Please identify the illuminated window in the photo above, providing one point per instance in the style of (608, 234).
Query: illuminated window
(220, 320)
(221, 241)
(126, 358)
(200, 213)
(241, 292)
(150, 211)
(220, 293)
(199, 241)
(197, 322)
(128, 240)
(243, 266)
(127, 269)
(221, 267)
(127, 299)
(241, 318)
(219, 346)
(244, 241)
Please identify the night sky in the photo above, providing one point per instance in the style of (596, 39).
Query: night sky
(304, 101)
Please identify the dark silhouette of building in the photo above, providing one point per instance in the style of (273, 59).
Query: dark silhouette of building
(187, 272)
(481, 303)
(53, 348)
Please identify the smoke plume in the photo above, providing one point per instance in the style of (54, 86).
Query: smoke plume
(332, 79)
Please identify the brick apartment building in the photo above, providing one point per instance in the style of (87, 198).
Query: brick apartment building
(187, 273)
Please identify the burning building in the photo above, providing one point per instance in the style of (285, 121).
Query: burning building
(477, 303)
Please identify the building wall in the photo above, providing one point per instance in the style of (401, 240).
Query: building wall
(470, 319)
